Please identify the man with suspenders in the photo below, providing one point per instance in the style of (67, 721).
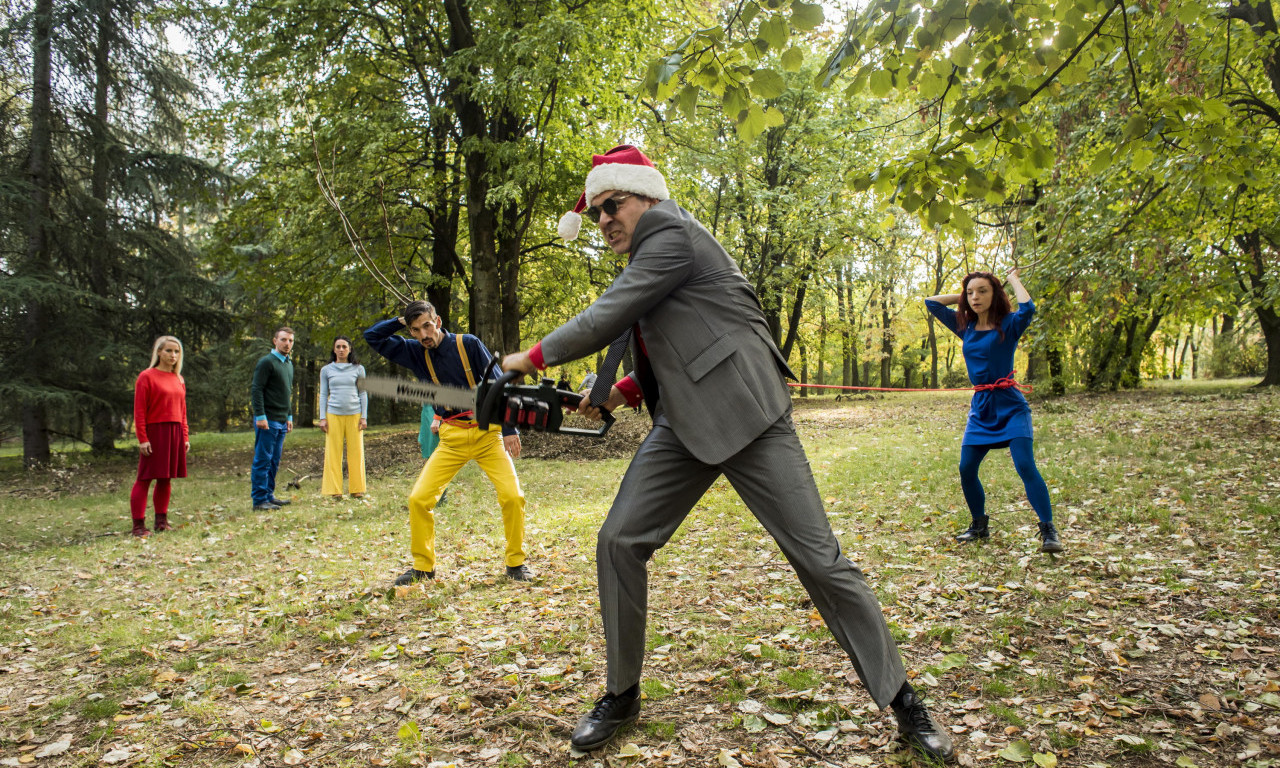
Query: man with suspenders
(457, 360)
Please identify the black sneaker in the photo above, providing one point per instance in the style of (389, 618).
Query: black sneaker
(610, 713)
(919, 730)
(519, 573)
(977, 530)
(412, 576)
(265, 506)
(1049, 541)
(281, 502)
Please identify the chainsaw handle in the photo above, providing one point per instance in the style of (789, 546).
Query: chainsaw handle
(570, 401)
(491, 397)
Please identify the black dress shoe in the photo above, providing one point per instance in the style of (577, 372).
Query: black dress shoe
(265, 506)
(977, 530)
(1049, 541)
(413, 575)
(519, 573)
(918, 729)
(610, 713)
(281, 502)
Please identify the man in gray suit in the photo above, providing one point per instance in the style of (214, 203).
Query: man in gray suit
(715, 384)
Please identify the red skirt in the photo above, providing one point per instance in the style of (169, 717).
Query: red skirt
(168, 454)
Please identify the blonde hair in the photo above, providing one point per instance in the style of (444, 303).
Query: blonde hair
(155, 352)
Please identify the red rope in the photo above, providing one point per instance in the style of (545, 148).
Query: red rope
(1008, 382)
(460, 416)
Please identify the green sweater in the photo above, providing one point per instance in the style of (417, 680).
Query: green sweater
(271, 389)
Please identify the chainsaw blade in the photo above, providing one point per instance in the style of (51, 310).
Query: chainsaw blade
(437, 395)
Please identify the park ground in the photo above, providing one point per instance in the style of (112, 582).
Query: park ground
(251, 639)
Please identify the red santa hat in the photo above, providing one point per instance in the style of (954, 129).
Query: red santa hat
(623, 168)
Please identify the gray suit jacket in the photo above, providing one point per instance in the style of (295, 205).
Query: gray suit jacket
(720, 379)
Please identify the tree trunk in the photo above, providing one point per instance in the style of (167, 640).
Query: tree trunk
(842, 316)
(104, 422)
(1268, 318)
(305, 408)
(482, 218)
(508, 285)
(1057, 376)
(1139, 336)
(886, 335)
(933, 335)
(1099, 375)
(822, 345)
(804, 370)
(37, 258)
(793, 322)
(933, 355)
(444, 217)
(1269, 321)
(1196, 355)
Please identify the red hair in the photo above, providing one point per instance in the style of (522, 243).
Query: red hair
(999, 303)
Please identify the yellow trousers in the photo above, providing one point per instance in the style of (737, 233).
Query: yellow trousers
(343, 429)
(458, 445)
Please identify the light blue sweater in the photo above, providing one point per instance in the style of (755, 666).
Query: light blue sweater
(338, 393)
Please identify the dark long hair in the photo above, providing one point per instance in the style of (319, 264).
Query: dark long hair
(351, 356)
(999, 303)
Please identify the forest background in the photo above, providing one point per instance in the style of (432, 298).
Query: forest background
(178, 168)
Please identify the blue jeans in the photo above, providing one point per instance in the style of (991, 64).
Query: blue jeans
(268, 445)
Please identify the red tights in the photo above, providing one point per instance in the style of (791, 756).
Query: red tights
(138, 498)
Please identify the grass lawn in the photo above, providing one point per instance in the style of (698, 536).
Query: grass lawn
(243, 638)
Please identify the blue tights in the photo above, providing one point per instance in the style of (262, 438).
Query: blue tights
(1024, 461)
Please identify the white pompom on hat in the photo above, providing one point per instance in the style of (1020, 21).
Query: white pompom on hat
(624, 169)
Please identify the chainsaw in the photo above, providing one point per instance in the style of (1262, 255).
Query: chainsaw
(539, 407)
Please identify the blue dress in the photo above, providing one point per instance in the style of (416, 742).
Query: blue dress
(996, 416)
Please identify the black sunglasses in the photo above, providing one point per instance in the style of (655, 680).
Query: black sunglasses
(609, 206)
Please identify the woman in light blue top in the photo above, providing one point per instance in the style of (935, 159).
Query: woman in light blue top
(344, 412)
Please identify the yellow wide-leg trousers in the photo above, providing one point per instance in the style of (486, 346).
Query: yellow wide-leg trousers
(343, 429)
(458, 445)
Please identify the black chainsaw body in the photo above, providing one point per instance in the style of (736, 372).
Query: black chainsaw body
(539, 407)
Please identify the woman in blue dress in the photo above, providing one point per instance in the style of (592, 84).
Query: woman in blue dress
(999, 416)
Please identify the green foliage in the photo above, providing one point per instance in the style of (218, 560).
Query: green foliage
(102, 243)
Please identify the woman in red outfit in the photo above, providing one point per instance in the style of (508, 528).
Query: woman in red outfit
(160, 419)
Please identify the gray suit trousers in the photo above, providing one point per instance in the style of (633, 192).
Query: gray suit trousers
(773, 477)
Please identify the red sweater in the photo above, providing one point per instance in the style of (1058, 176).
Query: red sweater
(159, 396)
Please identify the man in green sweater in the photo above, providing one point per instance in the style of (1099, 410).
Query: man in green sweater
(270, 396)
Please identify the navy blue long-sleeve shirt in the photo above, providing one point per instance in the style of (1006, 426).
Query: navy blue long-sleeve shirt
(384, 338)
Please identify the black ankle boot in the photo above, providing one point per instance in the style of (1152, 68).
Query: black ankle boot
(1049, 538)
(977, 530)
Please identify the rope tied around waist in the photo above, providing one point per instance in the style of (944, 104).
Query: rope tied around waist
(1006, 382)
(464, 420)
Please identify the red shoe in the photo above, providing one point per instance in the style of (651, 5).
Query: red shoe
(162, 523)
(140, 529)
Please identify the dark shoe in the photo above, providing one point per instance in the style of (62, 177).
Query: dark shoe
(1049, 541)
(519, 573)
(413, 575)
(265, 506)
(977, 530)
(281, 502)
(610, 713)
(140, 529)
(162, 523)
(918, 729)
